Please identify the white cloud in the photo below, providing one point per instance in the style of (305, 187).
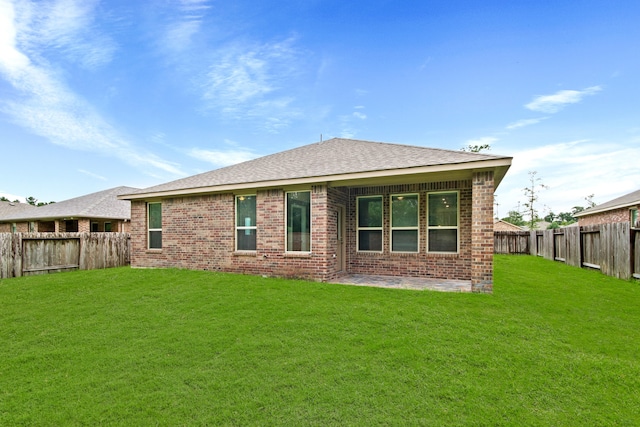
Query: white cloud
(359, 115)
(557, 101)
(525, 122)
(222, 158)
(185, 22)
(572, 170)
(92, 175)
(47, 107)
(248, 81)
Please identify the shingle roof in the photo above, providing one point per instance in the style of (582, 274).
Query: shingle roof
(630, 199)
(103, 204)
(8, 209)
(333, 157)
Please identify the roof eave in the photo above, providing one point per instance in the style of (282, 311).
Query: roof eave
(499, 166)
(595, 210)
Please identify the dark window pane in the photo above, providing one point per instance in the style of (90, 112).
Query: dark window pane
(246, 240)
(155, 240)
(155, 215)
(299, 221)
(246, 211)
(404, 211)
(404, 240)
(370, 240)
(443, 240)
(370, 212)
(443, 209)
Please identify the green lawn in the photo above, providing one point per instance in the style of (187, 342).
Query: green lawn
(554, 345)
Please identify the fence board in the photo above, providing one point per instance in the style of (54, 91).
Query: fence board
(636, 251)
(511, 242)
(41, 253)
(572, 242)
(559, 246)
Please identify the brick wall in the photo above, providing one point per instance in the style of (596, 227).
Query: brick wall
(199, 233)
(482, 232)
(615, 215)
(423, 263)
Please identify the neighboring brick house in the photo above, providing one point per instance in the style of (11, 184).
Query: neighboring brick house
(96, 212)
(501, 225)
(322, 210)
(621, 209)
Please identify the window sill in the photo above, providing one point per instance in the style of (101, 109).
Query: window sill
(297, 254)
(154, 251)
(246, 253)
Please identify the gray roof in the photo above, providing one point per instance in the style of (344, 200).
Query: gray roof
(8, 209)
(103, 204)
(334, 157)
(631, 199)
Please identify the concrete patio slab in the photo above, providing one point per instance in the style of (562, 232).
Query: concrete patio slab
(413, 283)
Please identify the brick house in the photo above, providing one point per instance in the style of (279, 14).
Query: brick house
(622, 209)
(500, 225)
(95, 212)
(327, 209)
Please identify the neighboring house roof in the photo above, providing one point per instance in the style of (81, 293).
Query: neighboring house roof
(336, 160)
(501, 225)
(103, 204)
(628, 200)
(8, 209)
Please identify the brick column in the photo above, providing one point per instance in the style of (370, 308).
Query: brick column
(482, 232)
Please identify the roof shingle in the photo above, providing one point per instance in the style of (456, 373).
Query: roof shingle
(335, 156)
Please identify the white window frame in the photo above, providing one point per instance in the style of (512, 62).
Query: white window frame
(149, 229)
(634, 214)
(245, 227)
(457, 227)
(358, 228)
(392, 228)
(286, 222)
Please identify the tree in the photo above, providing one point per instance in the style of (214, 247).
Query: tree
(476, 148)
(515, 218)
(34, 202)
(531, 193)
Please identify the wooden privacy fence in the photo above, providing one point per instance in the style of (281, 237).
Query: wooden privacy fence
(24, 254)
(613, 248)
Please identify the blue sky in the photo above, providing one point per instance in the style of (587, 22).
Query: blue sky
(97, 94)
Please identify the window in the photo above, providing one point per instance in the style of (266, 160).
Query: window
(369, 223)
(154, 222)
(70, 226)
(442, 222)
(299, 221)
(246, 223)
(635, 219)
(404, 223)
(107, 227)
(95, 227)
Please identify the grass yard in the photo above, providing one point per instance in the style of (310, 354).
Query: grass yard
(554, 345)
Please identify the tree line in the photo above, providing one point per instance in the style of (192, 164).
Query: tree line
(30, 200)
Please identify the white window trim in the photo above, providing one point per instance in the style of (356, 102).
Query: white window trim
(149, 229)
(244, 227)
(286, 222)
(358, 228)
(392, 228)
(637, 215)
(457, 227)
